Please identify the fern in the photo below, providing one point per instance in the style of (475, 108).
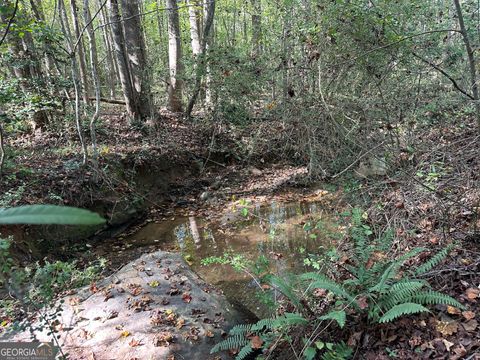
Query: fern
(232, 342)
(340, 351)
(434, 297)
(240, 329)
(322, 282)
(285, 288)
(400, 292)
(434, 261)
(244, 352)
(268, 324)
(289, 319)
(338, 315)
(401, 310)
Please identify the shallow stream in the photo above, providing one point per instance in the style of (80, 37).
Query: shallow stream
(276, 230)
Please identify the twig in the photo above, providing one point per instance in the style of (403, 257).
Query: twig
(9, 23)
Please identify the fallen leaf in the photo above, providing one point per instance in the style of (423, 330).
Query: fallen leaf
(468, 315)
(125, 333)
(453, 310)
(470, 325)
(256, 342)
(209, 334)
(134, 343)
(93, 288)
(180, 323)
(472, 294)
(186, 297)
(448, 344)
(154, 283)
(362, 302)
(447, 327)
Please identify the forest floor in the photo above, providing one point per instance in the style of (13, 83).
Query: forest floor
(431, 200)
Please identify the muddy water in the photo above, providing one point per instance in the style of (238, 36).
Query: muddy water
(276, 231)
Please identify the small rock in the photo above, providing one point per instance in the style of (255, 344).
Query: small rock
(205, 196)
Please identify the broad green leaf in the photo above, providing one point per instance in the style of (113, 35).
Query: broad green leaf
(49, 214)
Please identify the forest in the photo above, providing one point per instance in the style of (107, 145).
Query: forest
(240, 179)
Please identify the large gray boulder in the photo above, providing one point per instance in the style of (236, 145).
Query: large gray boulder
(152, 308)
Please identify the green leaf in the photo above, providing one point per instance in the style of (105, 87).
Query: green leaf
(244, 212)
(402, 309)
(338, 315)
(309, 353)
(49, 214)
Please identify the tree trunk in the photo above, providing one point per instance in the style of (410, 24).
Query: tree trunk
(174, 58)
(135, 47)
(120, 55)
(256, 27)
(96, 79)
(111, 73)
(75, 76)
(194, 33)
(471, 60)
(81, 52)
(201, 64)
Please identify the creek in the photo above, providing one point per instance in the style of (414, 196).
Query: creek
(275, 230)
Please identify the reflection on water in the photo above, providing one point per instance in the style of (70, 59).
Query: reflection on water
(275, 231)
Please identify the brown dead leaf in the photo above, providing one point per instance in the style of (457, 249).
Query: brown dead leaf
(447, 344)
(209, 334)
(472, 294)
(186, 297)
(93, 288)
(470, 325)
(134, 343)
(256, 342)
(453, 310)
(362, 302)
(74, 301)
(447, 328)
(468, 315)
(180, 323)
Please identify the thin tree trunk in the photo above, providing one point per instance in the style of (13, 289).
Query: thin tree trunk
(111, 73)
(174, 58)
(256, 27)
(135, 47)
(2, 150)
(81, 52)
(120, 54)
(49, 60)
(95, 77)
(194, 33)
(75, 76)
(201, 65)
(471, 60)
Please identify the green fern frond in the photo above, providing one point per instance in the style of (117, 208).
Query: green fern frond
(240, 329)
(267, 324)
(412, 253)
(434, 261)
(389, 273)
(434, 297)
(285, 288)
(401, 310)
(338, 315)
(289, 319)
(322, 282)
(232, 342)
(340, 351)
(244, 352)
(400, 292)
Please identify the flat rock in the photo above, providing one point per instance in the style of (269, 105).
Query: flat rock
(152, 308)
